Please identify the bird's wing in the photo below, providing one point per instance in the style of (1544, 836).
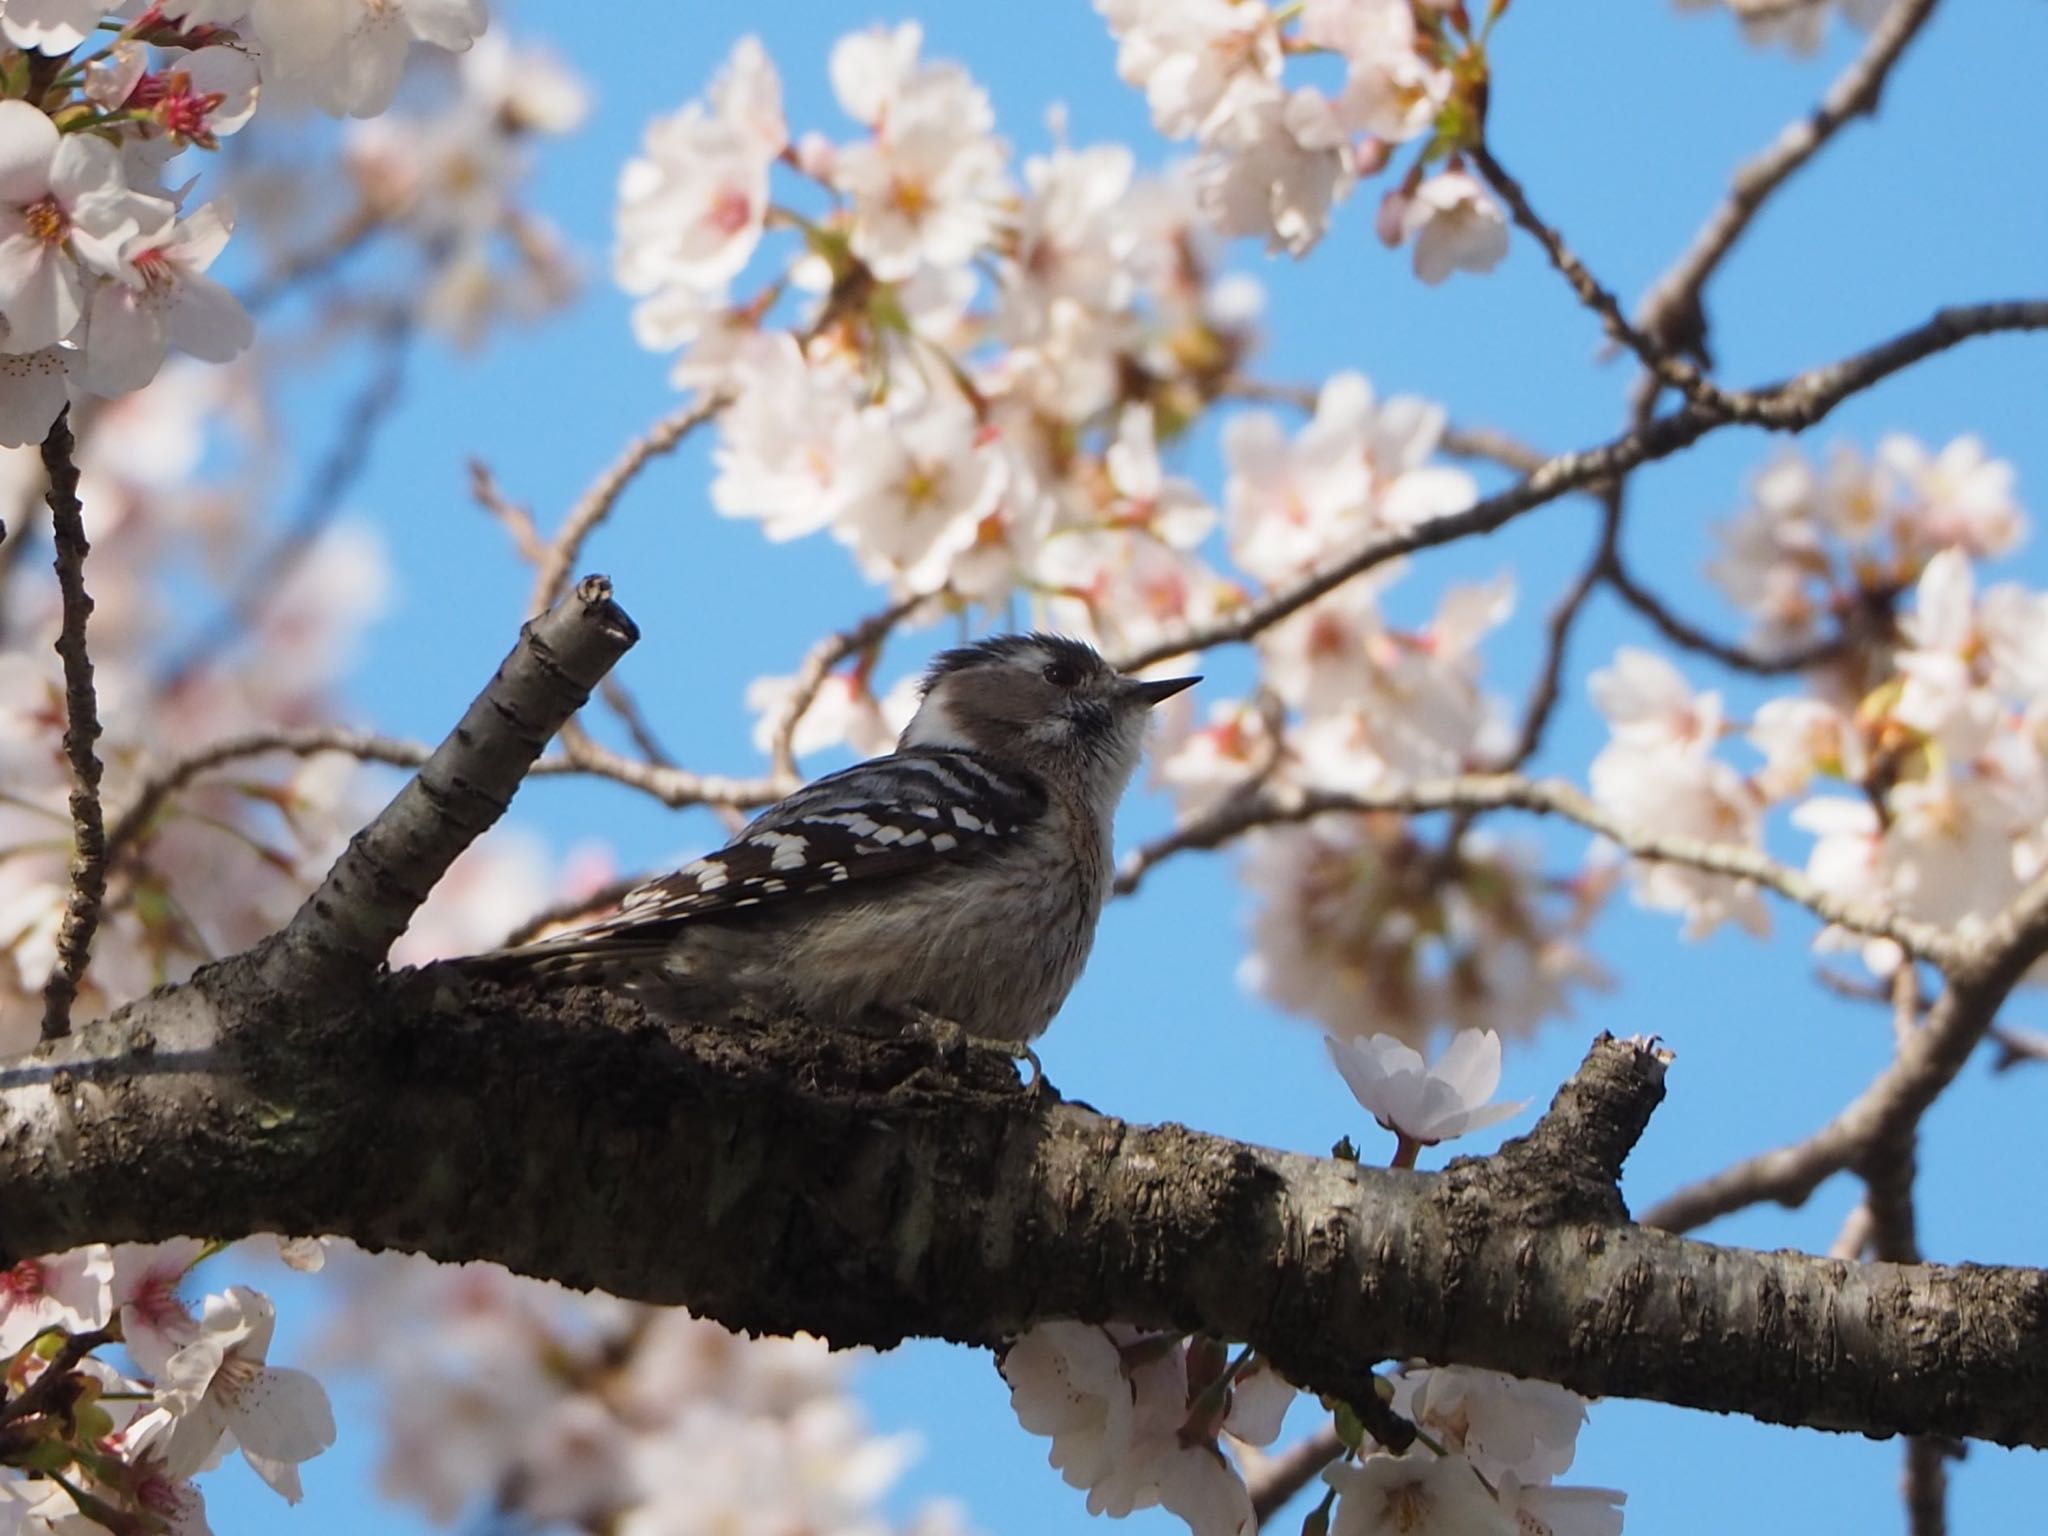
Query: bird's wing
(880, 819)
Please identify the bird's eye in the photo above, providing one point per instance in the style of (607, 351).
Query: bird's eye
(1061, 674)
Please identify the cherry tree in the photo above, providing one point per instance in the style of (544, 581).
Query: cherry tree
(992, 378)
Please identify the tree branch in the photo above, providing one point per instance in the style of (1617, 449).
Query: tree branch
(1544, 797)
(858, 1188)
(595, 505)
(1891, 1107)
(1673, 312)
(347, 926)
(1791, 406)
(81, 731)
(1679, 374)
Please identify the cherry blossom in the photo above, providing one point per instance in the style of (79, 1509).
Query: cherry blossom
(144, 1282)
(1419, 1494)
(347, 55)
(65, 1290)
(1067, 1382)
(1501, 1424)
(66, 214)
(691, 208)
(220, 1385)
(50, 26)
(1422, 1103)
(1456, 226)
(914, 482)
(928, 184)
(162, 297)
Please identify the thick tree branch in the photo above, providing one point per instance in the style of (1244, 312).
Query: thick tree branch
(81, 733)
(347, 926)
(1791, 406)
(779, 1178)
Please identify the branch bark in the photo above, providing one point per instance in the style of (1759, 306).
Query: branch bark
(779, 1178)
(81, 734)
(346, 927)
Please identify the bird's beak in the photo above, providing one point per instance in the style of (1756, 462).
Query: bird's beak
(1152, 690)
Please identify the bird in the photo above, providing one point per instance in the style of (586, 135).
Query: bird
(955, 881)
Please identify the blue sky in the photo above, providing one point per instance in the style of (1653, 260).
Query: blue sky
(1623, 120)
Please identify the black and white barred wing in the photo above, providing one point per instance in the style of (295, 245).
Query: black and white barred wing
(880, 820)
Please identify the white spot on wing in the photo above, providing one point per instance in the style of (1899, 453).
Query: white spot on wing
(967, 821)
(944, 842)
(789, 847)
(710, 874)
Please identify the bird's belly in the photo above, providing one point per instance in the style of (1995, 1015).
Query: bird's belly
(998, 965)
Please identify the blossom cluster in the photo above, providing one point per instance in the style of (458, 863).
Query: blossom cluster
(104, 255)
(1930, 710)
(1276, 159)
(549, 1408)
(94, 1446)
(1140, 1419)
(974, 378)
(1485, 1465)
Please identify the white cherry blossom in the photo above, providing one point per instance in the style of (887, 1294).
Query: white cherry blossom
(1425, 1103)
(1415, 1495)
(913, 485)
(1502, 1424)
(50, 26)
(930, 182)
(63, 1290)
(161, 298)
(1456, 226)
(220, 1385)
(347, 55)
(66, 216)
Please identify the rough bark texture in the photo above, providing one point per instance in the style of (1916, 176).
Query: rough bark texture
(868, 1189)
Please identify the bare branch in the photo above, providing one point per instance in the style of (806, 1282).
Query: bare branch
(817, 666)
(675, 787)
(1673, 312)
(1676, 372)
(347, 926)
(1791, 406)
(596, 503)
(516, 518)
(851, 1185)
(1690, 638)
(156, 789)
(1544, 797)
(81, 733)
(1548, 688)
(1981, 972)
(1279, 1478)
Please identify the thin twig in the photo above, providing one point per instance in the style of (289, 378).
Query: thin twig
(81, 732)
(1674, 371)
(1545, 797)
(1790, 406)
(1548, 688)
(552, 575)
(514, 517)
(1281, 1477)
(1673, 312)
(1688, 637)
(817, 666)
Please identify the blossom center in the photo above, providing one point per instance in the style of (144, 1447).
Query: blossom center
(46, 221)
(731, 212)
